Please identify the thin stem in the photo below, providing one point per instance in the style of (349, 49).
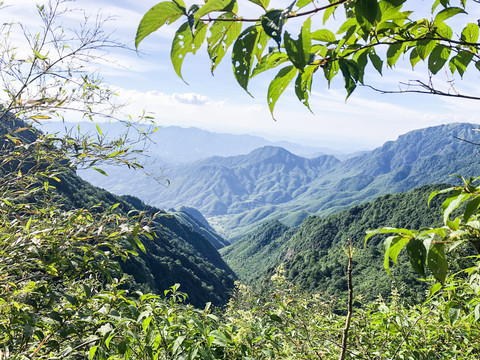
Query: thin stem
(349, 302)
(292, 15)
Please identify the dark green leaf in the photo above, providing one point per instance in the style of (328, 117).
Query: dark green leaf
(471, 208)
(461, 61)
(438, 58)
(376, 61)
(367, 12)
(303, 85)
(414, 57)
(350, 79)
(242, 56)
(418, 256)
(393, 53)
(298, 51)
(453, 312)
(425, 47)
(437, 262)
(163, 13)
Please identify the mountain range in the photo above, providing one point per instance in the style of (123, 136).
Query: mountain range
(238, 193)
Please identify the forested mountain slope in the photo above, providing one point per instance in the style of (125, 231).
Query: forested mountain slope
(313, 254)
(178, 254)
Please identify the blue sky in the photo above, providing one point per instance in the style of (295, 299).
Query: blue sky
(148, 81)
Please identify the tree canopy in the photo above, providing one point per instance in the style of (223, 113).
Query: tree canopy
(337, 37)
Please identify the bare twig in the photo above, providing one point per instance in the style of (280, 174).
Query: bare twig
(349, 302)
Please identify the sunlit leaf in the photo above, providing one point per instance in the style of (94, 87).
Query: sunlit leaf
(163, 13)
(279, 84)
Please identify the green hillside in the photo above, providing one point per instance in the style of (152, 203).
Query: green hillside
(181, 253)
(313, 254)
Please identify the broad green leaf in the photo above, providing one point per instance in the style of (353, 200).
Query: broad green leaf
(330, 69)
(393, 53)
(471, 208)
(451, 204)
(184, 42)
(222, 36)
(453, 312)
(434, 289)
(279, 84)
(298, 51)
(477, 65)
(242, 56)
(92, 351)
(303, 85)
(395, 246)
(145, 323)
(444, 30)
(367, 12)
(215, 5)
(437, 262)
(324, 35)
(350, 74)
(438, 57)
(302, 3)
(418, 256)
(163, 13)
(470, 33)
(376, 62)
(414, 57)
(270, 61)
(178, 342)
(447, 13)
(425, 47)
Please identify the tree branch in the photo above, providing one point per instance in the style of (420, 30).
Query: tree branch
(292, 15)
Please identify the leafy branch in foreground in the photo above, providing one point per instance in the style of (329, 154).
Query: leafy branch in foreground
(373, 32)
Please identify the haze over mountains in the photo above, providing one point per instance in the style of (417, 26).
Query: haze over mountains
(238, 193)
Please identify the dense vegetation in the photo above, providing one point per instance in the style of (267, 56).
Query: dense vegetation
(63, 294)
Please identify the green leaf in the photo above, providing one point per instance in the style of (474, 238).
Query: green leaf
(393, 53)
(447, 13)
(178, 342)
(279, 84)
(262, 3)
(438, 57)
(471, 208)
(451, 203)
(298, 51)
(163, 13)
(477, 65)
(270, 61)
(388, 230)
(376, 62)
(414, 57)
(460, 62)
(139, 244)
(434, 289)
(145, 323)
(222, 36)
(273, 21)
(328, 12)
(100, 171)
(367, 12)
(444, 31)
(303, 85)
(324, 35)
(215, 5)
(395, 246)
(470, 33)
(185, 42)
(418, 256)
(242, 56)
(39, 56)
(350, 74)
(425, 47)
(453, 312)
(92, 351)
(437, 262)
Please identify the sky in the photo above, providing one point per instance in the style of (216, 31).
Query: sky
(146, 80)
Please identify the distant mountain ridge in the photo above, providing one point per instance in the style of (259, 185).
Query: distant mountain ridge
(238, 193)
